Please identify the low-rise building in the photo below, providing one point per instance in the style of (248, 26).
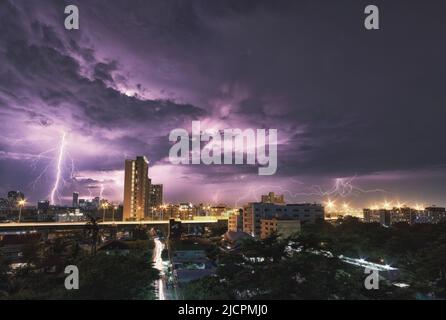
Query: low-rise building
(253, 213)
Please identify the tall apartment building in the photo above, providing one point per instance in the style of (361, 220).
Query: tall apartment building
(136, 189)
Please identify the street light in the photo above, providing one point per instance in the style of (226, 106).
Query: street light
(163, 208)
(104, 206)
(113, 215)
(21, 205)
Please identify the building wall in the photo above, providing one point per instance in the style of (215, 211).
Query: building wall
(235, 222)
(248, 223)
(284, 228)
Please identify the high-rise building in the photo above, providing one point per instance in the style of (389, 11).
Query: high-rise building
(136, 189)
(156, 195)
(75, 199)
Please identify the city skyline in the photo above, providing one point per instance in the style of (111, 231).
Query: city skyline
(76, 104)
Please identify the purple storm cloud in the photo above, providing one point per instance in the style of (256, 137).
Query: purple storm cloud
(345, 103)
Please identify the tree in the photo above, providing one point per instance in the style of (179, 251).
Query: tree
(209, 288)
(101, 276)
(105, 276)
(92, 228)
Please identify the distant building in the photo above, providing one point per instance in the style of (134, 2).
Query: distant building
(272, 198)
(435, 214)
(43, 206)
(186, 211)
(82, 203)
(96, 202)
(136, 189)
(75, 199)
(253, 213)
(218, 210)
(156, 195)
(388, 217)
(284, 227)
(75, 216)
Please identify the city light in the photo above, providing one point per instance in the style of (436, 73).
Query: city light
(330, 205)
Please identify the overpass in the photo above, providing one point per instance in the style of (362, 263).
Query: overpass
(23, 226)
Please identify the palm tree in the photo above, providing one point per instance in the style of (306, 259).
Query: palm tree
(92, 228)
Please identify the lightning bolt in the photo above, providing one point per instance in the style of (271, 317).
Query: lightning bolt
(34, 164)
(58, 169)
(90, 193)
(101, 191)
(342, 187)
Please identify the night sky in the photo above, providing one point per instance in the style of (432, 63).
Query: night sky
(364, 108)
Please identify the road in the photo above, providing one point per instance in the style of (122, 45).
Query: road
(160, 285)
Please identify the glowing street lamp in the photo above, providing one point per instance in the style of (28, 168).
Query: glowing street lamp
(163, 208)
(113, 215)
(104, 206)
(22, 203)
